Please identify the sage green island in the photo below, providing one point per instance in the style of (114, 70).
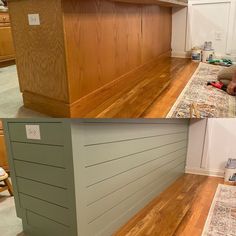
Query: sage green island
(89, 177)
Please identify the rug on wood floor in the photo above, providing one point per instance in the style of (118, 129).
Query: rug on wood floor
(211, 102)
(221, 220)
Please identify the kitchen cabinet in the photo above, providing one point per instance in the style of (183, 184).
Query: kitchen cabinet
(6, 41)
(3, 155)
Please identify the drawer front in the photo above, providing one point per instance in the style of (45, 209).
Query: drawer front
(4, 18)
(50, 133)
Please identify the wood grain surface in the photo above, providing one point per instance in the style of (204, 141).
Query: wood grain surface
(6, 42)
(149, 92)
(132, 95)
(92, 58)
(105, 40)
(180, 210)
(3, 154)
(40, 53)
(168, 3)
(166, 100)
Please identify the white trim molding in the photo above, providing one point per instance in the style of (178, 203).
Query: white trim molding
(229, 51)
(206, 172)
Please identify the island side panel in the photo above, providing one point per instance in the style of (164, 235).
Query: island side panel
(120, 166)
(105, 40)
(40, 51)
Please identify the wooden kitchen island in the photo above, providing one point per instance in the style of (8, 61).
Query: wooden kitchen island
(93, 58)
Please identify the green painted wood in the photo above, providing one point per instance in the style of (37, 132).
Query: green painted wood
(104, 188)
(43, 208)
(44, 226)
(118, 175)
(44, 192)
(116, 217)
(107, 203)
(46, 170)
(42, 154)
(41, 173)
(111, 132)
(99, 172)
(115, 150)
(50, 133)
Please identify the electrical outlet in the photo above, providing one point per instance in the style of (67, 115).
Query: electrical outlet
(33, 132)
(218, 35)
(33, 19)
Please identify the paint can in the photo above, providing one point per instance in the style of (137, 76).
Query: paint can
(230, 171)
(196, 55)
(207, 55)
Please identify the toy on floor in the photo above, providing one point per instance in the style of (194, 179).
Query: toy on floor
(218, 85)
(221, 62)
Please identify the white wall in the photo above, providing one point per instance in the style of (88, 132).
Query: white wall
(205, 20)
(219, 145)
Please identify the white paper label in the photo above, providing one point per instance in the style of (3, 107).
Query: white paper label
(33, 19)
(33, 132)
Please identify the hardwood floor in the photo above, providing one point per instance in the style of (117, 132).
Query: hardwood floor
(135, 97)
(181, 210)
(166, 100)
(132, 95)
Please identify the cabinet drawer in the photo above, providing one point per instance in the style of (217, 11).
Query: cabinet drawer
(4, 18)
(50, 133)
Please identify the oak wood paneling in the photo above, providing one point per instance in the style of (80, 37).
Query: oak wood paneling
(105, 40)
(86, 48)
(40, 53)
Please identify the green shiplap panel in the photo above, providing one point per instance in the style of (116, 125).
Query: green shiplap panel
(107, 132)
(42, 154)
(41, 173)
(110, 151)
(42, 226)
(43, 176)
(43, 208)
(103, 188)
(50, 133)
(111, 185)
(45, 192)
(108, 202)
(97, 173)
(108, 222)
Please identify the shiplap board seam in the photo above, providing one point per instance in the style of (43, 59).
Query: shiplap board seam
(124, 140)
(133, 154)
(131, 195)
(88, 186)
(181, 156)
(41, 164)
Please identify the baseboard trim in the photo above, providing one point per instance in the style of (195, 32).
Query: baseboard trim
(46, 105)
(207, 172)
(181, 54)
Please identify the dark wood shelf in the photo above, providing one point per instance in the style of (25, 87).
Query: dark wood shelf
(167, 3)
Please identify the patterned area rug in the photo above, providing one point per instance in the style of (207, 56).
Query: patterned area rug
(221, 220)
(211, 102)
